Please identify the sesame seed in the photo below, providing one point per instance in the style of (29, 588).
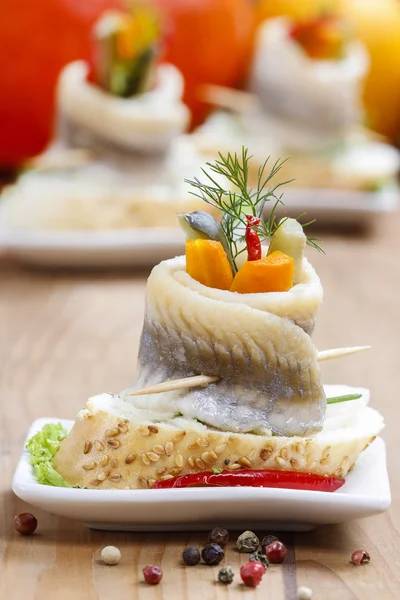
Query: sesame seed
(265, 453)
(103, 476)
(123, 427)
(144, 430)
(220, 448)
(169, 447)
(115, 477)
(326, 452)
(130, 458)
(178, 436)
(252, 455)
(145, 459)
(199, 463)
(280, 461)
(114, 443)
(153, 429)
(104, 460)
(176, 471)
(153, 456)
(179, 460)
(114, 463)
(158, 449)
(89, 466)
(244, 462)
(88, 446)
(112, 432)
(207, 458)
(190, 462)
(235, 466)
(95, 482)
(202, 442)
(166, 477)
(98, 445)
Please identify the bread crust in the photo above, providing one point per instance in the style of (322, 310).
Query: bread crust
(103, 451)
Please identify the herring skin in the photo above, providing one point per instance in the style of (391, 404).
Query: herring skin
(258, 344)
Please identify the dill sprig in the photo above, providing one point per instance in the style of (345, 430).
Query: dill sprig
(239, 200)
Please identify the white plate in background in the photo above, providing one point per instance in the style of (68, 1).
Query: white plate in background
(147, 247)
(365, 493)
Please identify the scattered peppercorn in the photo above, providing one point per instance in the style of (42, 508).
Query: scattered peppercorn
(225, 575)
(267, 540)
(252, 573)
(152, 574)
(276, 552)
(360, 557)
(25, 523)
(219, 536)
(191, 556)
(259, 557)
(247, 542)
(110, 555)
(212, 554)
(304, 593)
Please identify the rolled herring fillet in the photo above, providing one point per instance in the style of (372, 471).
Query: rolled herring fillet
(258, 344)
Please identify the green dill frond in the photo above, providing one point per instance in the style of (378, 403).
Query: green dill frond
(237, 199)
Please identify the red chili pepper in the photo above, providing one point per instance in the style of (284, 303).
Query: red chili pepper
(252, 478)
(252, 240)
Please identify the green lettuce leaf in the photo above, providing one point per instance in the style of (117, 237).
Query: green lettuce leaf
(42, 447)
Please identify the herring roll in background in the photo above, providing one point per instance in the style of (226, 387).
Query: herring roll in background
(148, 122)
(322, 94)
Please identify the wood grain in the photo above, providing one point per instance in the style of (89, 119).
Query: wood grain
(65, 336)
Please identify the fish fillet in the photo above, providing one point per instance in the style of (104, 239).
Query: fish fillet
(259, 344)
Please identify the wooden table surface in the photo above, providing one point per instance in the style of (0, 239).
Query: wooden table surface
(66, 336)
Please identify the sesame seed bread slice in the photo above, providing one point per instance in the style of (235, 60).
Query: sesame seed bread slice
(115, 445)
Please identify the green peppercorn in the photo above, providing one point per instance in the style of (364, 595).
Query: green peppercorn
(212, 554)
(259, 557)
(267, 540)
(225, 575)
(191, 556)
(247, 542)
(219, 536)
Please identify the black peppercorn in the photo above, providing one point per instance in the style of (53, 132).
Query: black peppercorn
(212, 554)
(219, 536)
(225, 575)
(247, 542)
(191, 556)
(267, 540)
(259, 557)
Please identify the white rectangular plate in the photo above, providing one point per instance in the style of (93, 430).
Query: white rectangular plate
(146, 247)
(365, 493)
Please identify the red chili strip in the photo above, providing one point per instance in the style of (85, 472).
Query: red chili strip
(251, 478)
(252, 240)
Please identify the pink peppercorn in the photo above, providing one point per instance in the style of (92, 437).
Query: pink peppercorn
(275, 552)
(252, 573)
(360, 557)
(152, 574)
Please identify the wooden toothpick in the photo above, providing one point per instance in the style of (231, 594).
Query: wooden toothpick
(204, 380)
(339, 352)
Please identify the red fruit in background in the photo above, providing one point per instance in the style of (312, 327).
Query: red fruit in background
(37, 39)
(210, 41)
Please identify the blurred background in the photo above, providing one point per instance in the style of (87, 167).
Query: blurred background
(106, 106)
